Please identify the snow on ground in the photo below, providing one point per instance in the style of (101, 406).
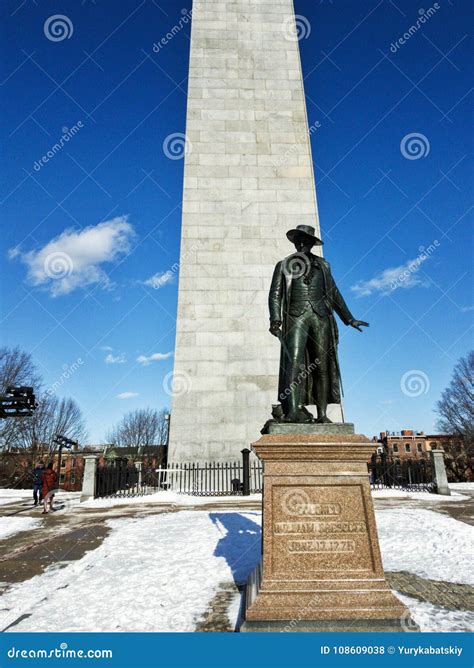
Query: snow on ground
(426, 543)
(434, 619)
(8, 495)
(173, 498)
(168, 498)
(157, 573)
(462, 486)
(14, 495)
(12, 525)
(160, 572)
(416, 496)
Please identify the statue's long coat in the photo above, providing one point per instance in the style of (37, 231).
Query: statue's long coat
(279, 300)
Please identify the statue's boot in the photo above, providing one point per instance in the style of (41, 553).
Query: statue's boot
(300, 416)
(323, 419)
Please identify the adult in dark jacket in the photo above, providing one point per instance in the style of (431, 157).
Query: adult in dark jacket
(38, 482)
(302, 299)
(49, 487)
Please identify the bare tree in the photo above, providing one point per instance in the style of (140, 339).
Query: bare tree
(35, 434)
(456, 416)
(139, 429)
(16, 368)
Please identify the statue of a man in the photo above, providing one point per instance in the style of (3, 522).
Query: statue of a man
(302, 298)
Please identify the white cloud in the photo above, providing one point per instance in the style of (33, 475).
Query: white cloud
(14, 252)
(156, 357)
(106, 348)
(127, 395)
(404, 276)
(466, 309)
(74, 258)
(115, 359)
(160, 279)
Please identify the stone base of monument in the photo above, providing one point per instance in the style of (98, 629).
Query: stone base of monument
(321, 567)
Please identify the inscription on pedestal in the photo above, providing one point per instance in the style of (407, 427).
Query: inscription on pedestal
(319, 528)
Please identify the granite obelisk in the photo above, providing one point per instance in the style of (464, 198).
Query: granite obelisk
(248, 178)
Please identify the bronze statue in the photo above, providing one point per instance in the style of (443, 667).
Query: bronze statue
(303, 296)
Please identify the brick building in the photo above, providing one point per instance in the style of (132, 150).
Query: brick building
(16, 467)
(407, 443)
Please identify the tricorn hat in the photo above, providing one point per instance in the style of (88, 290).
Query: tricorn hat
(304, 231)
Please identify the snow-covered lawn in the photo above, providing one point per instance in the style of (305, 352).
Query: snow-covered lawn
(160, 572)
(157, 573)
(434, 619)
(169, 498)
(462, 486)
(12, 525)
(427, 544)
(417, 496)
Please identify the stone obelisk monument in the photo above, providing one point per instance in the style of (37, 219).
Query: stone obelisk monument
(248, 178)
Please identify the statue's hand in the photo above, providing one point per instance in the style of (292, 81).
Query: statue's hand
(275, 327)
(357, 324)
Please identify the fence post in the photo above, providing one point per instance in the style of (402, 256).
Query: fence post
(245, 471)
(88, 481)
(138, 466)
(439, 472)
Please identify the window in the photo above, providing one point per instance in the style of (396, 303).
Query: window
(395, 447)
(433, 446)
(73, 462)
(63, 463)
(73, 478)
(407, 447)
(62, 477)
(419, 447)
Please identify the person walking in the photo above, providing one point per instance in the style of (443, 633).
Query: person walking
(49, 487)
(38, 482)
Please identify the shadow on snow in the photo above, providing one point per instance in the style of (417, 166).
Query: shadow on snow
(240, 543)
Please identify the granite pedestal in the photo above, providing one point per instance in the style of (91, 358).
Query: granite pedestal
(321, 567)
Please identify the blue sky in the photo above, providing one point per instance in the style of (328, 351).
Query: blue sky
(393, 166)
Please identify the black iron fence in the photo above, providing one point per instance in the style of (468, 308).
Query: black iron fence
(121, 477)
(117, 477)
(216, 479)
(409, 474)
